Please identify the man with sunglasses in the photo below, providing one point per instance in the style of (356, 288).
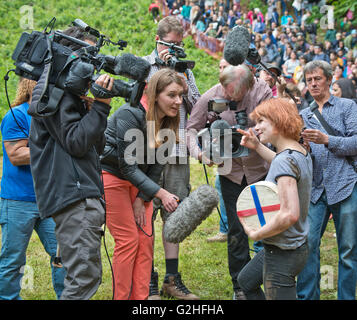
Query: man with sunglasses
(176, 174)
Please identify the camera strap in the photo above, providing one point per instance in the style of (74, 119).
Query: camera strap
(42, 107)
(332, 132)
(48, 68)
(315, 109)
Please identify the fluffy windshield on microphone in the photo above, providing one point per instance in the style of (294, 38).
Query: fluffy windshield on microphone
(237, 46)
(132, 67)
(190, 213)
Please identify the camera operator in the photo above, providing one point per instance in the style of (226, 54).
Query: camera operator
(237, 83)
(64, 150)
(175, 177)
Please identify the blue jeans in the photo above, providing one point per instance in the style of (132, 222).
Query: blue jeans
(18, 219)
(344, 216)
(283, 7)
(298, 16)
(223, 222)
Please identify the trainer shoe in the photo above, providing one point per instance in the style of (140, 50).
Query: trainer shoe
(173, 287)
(154, 287)
(219, 237)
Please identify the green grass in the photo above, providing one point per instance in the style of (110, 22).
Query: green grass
(203, 265)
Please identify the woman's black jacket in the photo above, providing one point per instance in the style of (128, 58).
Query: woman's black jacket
(128, 158)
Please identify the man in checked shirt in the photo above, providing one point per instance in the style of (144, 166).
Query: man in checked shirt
(176, 174)
(334, 188)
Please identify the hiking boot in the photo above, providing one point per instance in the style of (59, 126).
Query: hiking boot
(239, 295)
(219, 237)
(173, 287)
(154, 287)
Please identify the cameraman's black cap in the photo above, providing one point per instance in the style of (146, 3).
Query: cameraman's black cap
(273, 67)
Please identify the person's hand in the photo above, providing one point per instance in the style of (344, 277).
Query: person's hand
(305, 143)
(281, 85)
(315, 136)
(139, 212)
(88, 101)
(249, 139)
(165, 55)
(106, 82)
(169, 200)
(202, 158)
(252, 233)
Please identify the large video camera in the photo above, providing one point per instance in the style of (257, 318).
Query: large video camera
(220, 141)
(174, 62)
(40, 56)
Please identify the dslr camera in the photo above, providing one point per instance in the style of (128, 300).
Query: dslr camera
(41, 57)
(218, 139)
(174, 62)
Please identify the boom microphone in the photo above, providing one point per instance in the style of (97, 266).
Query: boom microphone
(236, 47)
(220, 125)
(190, 213)
(132, 67)
(127, 65)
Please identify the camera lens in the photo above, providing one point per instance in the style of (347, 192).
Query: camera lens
(236, 139)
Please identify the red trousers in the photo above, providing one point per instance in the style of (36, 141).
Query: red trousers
(133, 251)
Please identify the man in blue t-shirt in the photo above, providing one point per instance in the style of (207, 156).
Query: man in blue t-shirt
(19, 214)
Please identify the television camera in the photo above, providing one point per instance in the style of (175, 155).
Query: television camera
(40, 56)
(220, 141)
(174, 61)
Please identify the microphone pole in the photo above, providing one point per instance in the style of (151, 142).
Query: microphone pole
(277, 79)
(254, 58)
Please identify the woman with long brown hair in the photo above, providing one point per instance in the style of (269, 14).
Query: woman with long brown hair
(132, 166)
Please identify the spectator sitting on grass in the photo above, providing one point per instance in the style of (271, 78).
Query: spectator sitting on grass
(319, 54)
(200, 25)
(285, 18)
(273, 55)
(210, 31)
(290, 65)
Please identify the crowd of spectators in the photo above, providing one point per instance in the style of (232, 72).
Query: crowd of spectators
(286, 35)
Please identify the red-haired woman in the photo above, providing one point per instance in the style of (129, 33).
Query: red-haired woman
(284, 237)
